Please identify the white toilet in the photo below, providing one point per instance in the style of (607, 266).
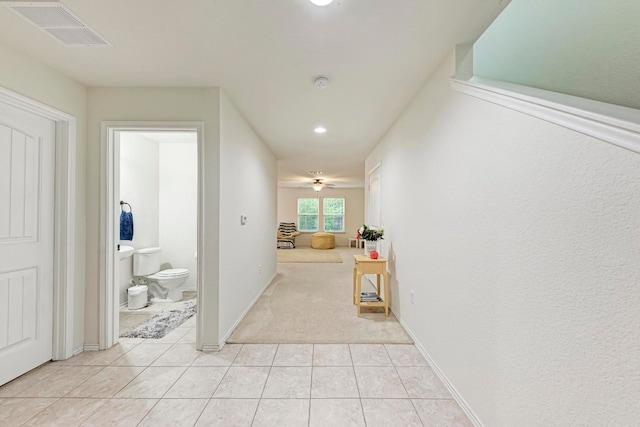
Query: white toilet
(163, 284)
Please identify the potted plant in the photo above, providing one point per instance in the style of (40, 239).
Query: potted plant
(371, 237)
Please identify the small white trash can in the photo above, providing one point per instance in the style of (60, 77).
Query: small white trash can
(137, 297)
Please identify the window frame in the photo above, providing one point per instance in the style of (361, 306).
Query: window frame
(317, 215)
(343, 214)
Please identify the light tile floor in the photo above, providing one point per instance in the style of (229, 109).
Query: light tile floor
(168, 383)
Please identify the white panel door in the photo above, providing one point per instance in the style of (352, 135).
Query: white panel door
(27, 164)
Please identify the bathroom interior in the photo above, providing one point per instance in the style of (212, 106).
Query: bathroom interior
(158, 186)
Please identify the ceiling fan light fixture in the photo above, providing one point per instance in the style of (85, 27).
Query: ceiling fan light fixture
(320, 129)
(321, 2)
(317, 186)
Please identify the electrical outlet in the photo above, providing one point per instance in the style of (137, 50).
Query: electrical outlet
(412, 295)
(259, 270)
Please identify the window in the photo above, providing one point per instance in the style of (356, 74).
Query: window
(333, 212)
(308, 214)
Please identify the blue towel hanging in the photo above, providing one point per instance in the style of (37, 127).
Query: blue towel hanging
(126, 225)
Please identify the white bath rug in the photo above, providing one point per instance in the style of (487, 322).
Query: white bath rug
(161, 324)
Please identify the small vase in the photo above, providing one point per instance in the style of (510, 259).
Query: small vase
(370, 245)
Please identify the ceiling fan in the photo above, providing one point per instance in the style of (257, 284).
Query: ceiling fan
(318, 185)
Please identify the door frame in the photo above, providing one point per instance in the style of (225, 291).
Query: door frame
(109, 206)
(374, 205)
(64, 261)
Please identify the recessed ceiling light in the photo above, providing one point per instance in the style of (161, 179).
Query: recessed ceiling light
(321, 2)
(319, 129)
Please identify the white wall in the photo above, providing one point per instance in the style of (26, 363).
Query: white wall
(23, 75)
(354, 210)
(522, 246)
(125, 276)
(586, 48)
(178, 214)
(248, 176)
(155, 104)
(140, 187)
(160, 181)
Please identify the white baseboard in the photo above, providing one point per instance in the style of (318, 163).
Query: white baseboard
(244, 313)
(456, 396)
(212, 347)
(78, 350)
(91, 347)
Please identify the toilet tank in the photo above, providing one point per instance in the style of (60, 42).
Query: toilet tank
(146, 261)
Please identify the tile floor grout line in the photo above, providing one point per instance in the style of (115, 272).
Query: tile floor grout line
(264, 386)
(313, 353)
(227, 371)
(41, 411)
(148, 412)
(105, 401)
(395, 368)
(201, 412)
(221, 379)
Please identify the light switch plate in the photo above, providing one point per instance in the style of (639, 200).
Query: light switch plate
(243, 219)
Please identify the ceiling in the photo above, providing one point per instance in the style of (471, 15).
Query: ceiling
(265, 53)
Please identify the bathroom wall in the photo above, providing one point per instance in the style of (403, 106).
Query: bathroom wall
(178, 214)
(160, 181)
(139, 186)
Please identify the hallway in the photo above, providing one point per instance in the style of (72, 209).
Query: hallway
(167, 382)
(311, 303)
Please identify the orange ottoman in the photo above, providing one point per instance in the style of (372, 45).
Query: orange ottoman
(323, 241)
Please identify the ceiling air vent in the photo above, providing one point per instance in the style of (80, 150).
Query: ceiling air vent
(58, 21)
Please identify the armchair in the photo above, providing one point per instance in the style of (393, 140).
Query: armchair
(287, 233)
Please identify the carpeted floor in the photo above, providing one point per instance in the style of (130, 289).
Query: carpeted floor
(312, 303)
(304, 255)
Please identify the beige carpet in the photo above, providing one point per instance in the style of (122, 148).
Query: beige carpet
(312, 303)
(309, 255)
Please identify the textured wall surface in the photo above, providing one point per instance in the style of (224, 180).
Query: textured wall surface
(586, 48)
(522, 245)
(248, 173)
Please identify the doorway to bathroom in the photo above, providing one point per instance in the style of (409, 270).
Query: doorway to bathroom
(152, 176)
(159, 209)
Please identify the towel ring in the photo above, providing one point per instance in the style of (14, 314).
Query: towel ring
(122, 206)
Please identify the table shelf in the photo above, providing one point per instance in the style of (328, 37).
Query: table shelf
(365, 265)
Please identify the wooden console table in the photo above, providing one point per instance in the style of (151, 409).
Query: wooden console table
(365, 265)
